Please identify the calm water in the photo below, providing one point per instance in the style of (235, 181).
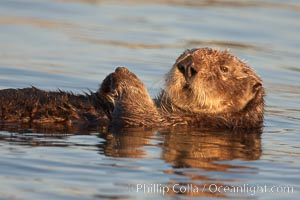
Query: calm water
(74, 44)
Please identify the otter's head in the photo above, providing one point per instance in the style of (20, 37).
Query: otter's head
(210, 81)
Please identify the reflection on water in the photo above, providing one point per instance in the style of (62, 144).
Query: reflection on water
(196, 149)
(203, 149)
(74, 44)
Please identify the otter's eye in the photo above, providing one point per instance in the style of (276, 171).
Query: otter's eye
(224, 68)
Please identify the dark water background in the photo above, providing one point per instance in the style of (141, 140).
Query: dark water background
(74, 44)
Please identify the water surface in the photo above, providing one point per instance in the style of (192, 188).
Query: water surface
(74, 44)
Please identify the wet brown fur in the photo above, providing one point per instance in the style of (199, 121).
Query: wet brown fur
(126, 101)
(31, 105)
(216, 90)
(204, 88)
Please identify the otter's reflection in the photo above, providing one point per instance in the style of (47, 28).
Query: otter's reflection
(194, 149)
(185, 147)
(201, 149)
(44, 135)
(127, 143)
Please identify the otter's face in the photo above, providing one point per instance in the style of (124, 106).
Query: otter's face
(211, 81)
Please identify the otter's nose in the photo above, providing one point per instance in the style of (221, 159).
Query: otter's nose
(187, 68)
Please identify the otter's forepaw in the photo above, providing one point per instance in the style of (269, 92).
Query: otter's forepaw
(115, 86)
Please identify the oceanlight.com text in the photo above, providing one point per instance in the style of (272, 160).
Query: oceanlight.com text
(211, 188)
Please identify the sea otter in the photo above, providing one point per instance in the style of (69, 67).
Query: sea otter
(205, 88)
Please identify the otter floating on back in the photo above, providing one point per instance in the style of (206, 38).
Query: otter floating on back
(204, 88)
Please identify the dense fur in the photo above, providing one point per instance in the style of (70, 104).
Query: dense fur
(205, 88)
(126, 101)
(31, 105)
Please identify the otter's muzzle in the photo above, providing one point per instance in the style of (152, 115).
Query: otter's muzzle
(186, 67)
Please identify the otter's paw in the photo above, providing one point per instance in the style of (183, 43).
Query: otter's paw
(126, 100)
(115, 86)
